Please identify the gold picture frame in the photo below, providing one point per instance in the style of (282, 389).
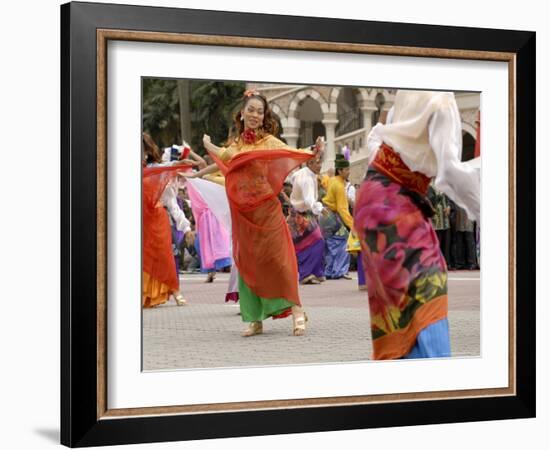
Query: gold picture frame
(85, 35)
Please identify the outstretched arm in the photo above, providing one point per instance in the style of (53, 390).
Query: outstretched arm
(207, 170)
(278, 144)
(211, 148)
(199, 160)
(319, 145)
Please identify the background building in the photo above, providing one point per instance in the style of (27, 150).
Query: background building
(345, 116)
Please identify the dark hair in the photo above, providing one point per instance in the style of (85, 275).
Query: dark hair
(270, 125)
(150, 149)
(338, 170)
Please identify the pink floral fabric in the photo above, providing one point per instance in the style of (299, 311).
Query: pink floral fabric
(404, 267)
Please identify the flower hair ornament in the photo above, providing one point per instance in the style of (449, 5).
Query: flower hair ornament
(250, 93)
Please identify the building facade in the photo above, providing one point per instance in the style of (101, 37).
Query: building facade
(345, 116)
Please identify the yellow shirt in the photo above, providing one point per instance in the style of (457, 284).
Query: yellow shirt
(268, 142)
(337, 200)
(324, 179)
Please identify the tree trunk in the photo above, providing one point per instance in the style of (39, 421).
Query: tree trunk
(185, 116)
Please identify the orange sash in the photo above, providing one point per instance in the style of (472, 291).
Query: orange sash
(262, 245)
(388, 162)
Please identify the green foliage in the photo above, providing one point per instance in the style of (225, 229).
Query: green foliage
(161, 118)
(212, 107)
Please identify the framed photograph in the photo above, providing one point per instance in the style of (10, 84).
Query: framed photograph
(136, 370)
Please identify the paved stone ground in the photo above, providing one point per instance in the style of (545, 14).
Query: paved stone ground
(206, 332)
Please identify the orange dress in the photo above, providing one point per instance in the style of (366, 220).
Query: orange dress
(160, 278)
(262, 246)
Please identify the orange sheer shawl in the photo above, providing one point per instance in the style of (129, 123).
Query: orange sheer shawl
(158, 259)
(262, 245)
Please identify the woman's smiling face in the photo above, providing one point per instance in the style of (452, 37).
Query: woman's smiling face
(253, 114)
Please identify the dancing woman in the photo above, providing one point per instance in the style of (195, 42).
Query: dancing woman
(255, 165)
(405, 270)
(209, 185)
(160, 278)
(213, 238)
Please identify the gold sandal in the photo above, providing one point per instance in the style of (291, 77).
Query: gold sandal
(253, 329)
(300, 325)
(180, 300)
(310, 279)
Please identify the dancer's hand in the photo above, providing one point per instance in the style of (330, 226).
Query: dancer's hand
(319, 145)
(213, 149)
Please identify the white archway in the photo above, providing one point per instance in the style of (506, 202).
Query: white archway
(468, 128)
(301, 95)
(362, 96)
(280, 113)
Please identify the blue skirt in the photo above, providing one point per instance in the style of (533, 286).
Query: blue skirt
(336, 257)
(432, 342)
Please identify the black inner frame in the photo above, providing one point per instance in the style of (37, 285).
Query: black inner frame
(79, 423)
